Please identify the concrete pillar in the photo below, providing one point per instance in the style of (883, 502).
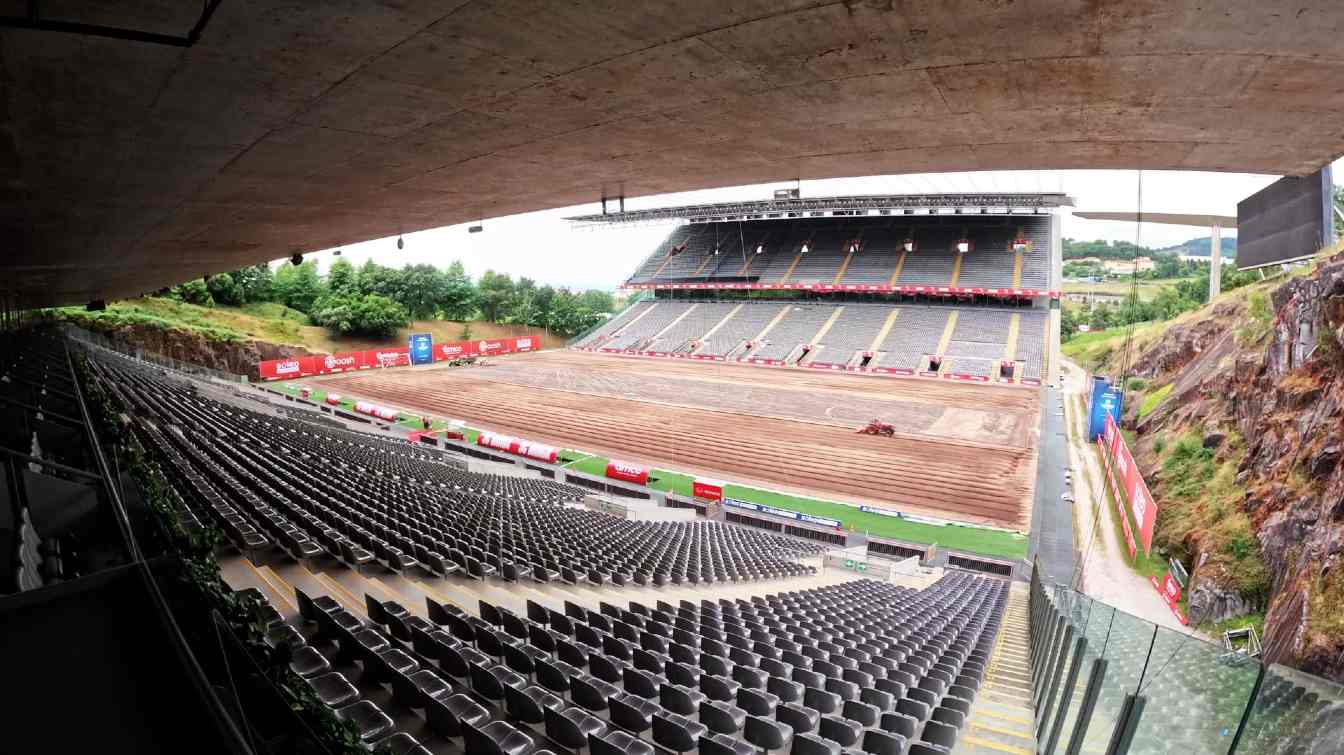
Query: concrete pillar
(1215, 261)
(1056, 284)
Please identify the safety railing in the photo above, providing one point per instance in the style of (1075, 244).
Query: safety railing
(1106, 681)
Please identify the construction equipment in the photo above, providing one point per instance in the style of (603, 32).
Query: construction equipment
(878, 427)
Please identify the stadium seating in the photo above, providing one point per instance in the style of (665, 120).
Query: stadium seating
(312, 492)
(732, 336)
(862, 665)
(797, 328)
(688, 253)
(916, 335)
(852, 332)
(980, 341)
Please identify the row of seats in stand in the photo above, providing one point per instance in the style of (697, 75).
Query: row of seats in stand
(857, 667)
(48, 484)
(376, 729)
(270, 484)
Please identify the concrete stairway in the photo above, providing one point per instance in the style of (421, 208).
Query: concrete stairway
(1002, 718)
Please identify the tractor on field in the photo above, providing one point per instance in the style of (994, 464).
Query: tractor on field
(878, 427)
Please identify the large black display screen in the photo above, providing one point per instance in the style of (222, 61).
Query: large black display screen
(1287, 220)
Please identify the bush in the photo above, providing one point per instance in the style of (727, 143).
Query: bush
(368, 315)
(1135, 384)
(193, 292)
(224, 290)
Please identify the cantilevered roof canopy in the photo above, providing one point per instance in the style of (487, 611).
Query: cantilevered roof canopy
(1165, 218)
(868, 204)
(144, 158)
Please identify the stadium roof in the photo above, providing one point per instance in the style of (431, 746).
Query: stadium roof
(801, 207)
(142, 144)
(1165, 218)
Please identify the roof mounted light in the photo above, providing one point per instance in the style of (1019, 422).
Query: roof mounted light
(760, 248)
(963, 246)
(805, 248)
(854, 247)
(908, 245)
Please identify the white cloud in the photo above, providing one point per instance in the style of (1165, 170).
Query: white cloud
(549, 249)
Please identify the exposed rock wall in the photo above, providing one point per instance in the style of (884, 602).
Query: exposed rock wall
(237, 357)
(1284, 393)
(1290, 407)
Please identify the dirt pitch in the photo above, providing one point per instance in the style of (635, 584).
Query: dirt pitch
(964, 451)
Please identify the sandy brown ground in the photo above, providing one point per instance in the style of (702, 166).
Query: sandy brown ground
(964, 451)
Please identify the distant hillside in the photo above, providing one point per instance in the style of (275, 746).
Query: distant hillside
(1199, 247)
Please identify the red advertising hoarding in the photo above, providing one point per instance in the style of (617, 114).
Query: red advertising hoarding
(1170, 590)
(619, 470)
(1131, 492)
(509, 444)
(710, 490)
(346, 361)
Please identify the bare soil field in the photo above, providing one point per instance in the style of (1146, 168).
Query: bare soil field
(964, 452)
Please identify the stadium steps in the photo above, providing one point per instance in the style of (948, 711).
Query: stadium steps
(896, 274)
(771, 326)
(1014, 327)
(844, 266)
(1002, 717)
(821, 334)
(1017, 269)
(672, 324)
(956, 269)
(948, 329)
(886, 329)
(793, 266)
(731, 314)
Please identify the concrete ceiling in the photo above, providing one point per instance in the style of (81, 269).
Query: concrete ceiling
(299, 125)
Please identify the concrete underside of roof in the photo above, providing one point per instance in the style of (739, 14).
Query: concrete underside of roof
(295, 126)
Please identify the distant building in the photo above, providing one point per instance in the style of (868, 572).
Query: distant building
(1127, 267)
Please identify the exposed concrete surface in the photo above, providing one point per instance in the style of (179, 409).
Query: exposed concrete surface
(296, 125)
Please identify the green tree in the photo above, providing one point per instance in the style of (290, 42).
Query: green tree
(342, 278)
(493, 293)
(597, 301)
(420, 290)
(377, 279)
(458, 300)
(254, 282)
(298, 287)
(370, 315)
(224, 289)
(192, 292)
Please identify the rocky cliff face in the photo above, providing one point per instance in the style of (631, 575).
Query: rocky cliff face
(1290, 404)
(236, 357)
(1276, 379)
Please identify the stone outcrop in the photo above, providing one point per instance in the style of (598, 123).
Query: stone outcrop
(235, 357)
(1284, 394)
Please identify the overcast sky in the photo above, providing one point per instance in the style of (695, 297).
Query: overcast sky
(550, 250)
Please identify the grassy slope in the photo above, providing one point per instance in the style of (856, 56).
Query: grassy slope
(279, 324)
(1147, 288)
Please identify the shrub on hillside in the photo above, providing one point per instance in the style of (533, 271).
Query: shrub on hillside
(225, 290)
(193, 292)
(368, 315)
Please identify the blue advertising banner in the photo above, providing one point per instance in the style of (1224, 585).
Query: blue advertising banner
(422, 348)
(1106, 399)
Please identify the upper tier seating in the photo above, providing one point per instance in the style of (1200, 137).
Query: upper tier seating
(991, 263)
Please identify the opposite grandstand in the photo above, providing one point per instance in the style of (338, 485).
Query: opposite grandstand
(955, 291)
